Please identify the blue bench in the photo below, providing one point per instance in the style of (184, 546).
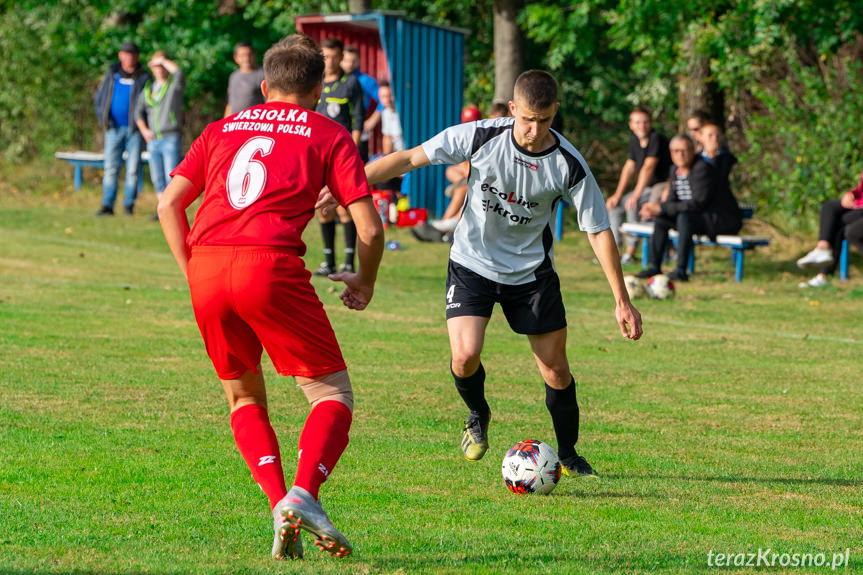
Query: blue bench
(82, 160)
(843, 261)
(738, 244)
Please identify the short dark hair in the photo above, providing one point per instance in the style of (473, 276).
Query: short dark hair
(293, 67)
(352, 49)
(384, 84)
(700, 115)
(498, 109)
(537, 88)
(239, 45)
(707, 123)
(642, 110)
(333, 44)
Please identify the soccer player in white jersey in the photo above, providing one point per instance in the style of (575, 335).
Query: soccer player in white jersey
(502, 250)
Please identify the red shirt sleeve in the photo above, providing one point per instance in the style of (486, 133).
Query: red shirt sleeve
(345, 175)
(194, 165)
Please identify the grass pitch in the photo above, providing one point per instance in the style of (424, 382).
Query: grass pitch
(735, 425)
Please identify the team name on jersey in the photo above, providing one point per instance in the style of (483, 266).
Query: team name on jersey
(282, 115)
(497, 208)
(510, 198)
(264, 127)
(292, 115)
(524, 163)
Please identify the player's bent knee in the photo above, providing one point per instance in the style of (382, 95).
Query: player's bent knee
(331, 387)
(465, 365)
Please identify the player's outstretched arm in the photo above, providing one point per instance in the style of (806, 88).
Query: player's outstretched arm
(360, 286)
(606, 252)
(396, 164)
(178, 195)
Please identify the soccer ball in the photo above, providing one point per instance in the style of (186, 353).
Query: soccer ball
(660, 287)
(634, 286)
(531, 466)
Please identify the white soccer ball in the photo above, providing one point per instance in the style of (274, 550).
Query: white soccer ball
(660, 287)
(531, 466)
(634, 286)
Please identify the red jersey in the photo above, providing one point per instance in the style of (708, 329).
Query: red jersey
(262, 170)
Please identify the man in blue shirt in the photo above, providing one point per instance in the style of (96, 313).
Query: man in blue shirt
(115, 106)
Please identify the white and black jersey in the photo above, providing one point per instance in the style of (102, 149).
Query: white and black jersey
(505, 230)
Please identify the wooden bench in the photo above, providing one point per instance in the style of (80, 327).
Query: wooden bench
(738, 244)
(82, 159)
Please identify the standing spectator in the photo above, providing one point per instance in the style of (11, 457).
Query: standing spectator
(371, 99)
(649, 161)
(391, 125)
(249, 287)
(696, 204)
(342, 101)
(244, 84)
(840, 218)
(502, 251)
(392, 141)
(159, 115)
(115, 107)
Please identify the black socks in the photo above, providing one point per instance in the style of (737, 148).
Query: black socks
(328, 231)
(472, 391)
(563, 407)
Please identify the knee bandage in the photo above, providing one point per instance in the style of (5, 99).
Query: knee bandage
(331, 387)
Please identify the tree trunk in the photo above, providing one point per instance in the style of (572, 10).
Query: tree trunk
(359, 6)
(696, 89)
(507, 48)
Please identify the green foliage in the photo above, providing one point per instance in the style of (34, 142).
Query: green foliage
(594, 77)
(805, 146)
(43, 94)
(786, 94)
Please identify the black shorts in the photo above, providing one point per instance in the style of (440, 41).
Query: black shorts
(533, 308)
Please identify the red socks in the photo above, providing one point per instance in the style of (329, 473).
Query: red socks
(322, 442)
(259, 447)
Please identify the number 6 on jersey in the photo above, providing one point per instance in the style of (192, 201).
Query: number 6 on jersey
(247, 176)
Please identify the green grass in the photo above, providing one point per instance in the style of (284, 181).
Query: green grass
(735, 424)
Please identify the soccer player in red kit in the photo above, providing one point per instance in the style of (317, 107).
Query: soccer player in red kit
(260, 172)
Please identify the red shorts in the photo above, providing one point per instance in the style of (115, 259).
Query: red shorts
(247, 299)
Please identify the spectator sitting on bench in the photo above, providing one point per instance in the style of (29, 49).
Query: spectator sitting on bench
(696, 204)
(693, 127)
(715, 152)
(839, 218)
(648, 161)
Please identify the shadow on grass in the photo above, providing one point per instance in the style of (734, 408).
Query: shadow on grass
(730, 479)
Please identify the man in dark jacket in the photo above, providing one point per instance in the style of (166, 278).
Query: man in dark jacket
(115, 107)
(696, 204)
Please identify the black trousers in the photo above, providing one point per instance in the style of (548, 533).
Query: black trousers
(838, 223)
(686, 224)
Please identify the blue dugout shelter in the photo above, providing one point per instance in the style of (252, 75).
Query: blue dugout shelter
(424, 65)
